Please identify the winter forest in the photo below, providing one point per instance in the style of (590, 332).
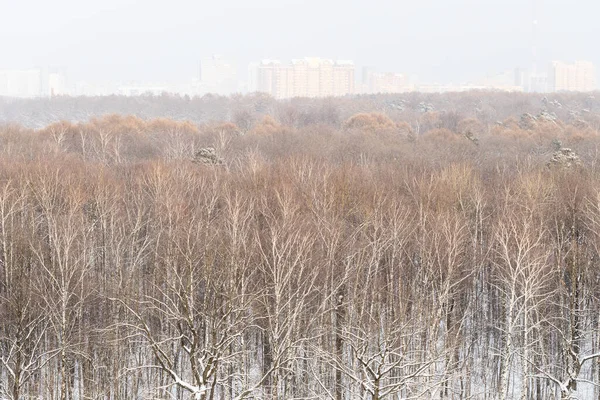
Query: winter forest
(362, 248)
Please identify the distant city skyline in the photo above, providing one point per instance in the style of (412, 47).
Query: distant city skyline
(298, 77)
(439, 40)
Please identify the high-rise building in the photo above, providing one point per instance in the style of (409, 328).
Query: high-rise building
(300, 74)
(521, 78)
(389, 82)
(343, 78)
(55, 82)
(33, 82)
(539, 83)
(577, 77)
(366, 82)
(21, 83)
(384, 82)
(252, 85)
(307, 77)
(274, 78)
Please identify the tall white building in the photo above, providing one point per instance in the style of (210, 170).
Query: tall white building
(55, 82)
(577, 77)
(21, 83)
(33, 82)
(252, 85)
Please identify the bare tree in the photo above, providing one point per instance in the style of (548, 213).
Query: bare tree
(524, 280)
(290, 284)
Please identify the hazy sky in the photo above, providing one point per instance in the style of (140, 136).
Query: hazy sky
(163, 40)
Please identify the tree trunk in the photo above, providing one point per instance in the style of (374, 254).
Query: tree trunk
(339, 345)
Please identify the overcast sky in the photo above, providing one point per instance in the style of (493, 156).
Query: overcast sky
(163, 40)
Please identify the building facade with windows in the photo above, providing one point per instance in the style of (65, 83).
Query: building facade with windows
(306, 77)
(577, 77)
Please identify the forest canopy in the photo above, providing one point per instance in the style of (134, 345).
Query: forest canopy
(380, 247)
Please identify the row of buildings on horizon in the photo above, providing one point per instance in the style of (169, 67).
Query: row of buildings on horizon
(33, 82)
(304, 77)
(561, 77)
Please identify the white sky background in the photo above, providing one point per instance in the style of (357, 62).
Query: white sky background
(152, 40)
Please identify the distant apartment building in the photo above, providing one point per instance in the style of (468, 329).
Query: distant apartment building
(577, 77)
(55, 82)
(388, 82)
(273, 77)
(521, 78)
(366, 76)
(218, 76)
(384, 82)
(252, 84)
(307, 77)
(528, 81)
(539, 83)
(343, 78)
(33, 82)
(21, 83)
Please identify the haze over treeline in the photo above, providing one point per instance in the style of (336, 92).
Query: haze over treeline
(368, 248)
(244, 110)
